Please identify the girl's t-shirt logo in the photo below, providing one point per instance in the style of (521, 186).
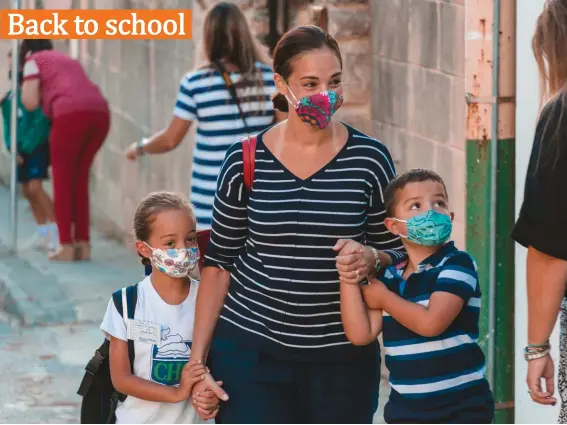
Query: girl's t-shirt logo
(169, 358)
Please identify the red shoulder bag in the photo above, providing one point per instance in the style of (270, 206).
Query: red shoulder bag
(248, 163)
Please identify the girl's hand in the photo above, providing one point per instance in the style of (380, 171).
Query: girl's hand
(132, 152)
(207, 403)
(354, 261)
(191, 374)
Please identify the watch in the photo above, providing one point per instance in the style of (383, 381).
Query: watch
(376, 257)
(140, 145)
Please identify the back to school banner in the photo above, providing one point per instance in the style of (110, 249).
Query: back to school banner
(95, 24)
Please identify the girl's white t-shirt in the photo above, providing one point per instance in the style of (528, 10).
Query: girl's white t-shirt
(161, 364)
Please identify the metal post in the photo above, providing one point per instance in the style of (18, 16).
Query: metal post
(14, 142)
(493, 190)
(490, 81)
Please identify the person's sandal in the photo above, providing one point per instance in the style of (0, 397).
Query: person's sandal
(82, 251)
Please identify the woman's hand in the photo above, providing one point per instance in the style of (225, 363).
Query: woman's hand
(132, 151)
(192, 373)
(537, 370)
(354, 261)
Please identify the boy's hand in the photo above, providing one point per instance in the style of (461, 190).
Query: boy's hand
(20, 160)
(373, 294)
(191, 374)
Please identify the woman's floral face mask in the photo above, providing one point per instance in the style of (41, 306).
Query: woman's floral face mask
(317, 109)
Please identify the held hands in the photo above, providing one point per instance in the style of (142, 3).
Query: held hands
(539, 369)
(192, 373)
(206, 404)
(354, 261)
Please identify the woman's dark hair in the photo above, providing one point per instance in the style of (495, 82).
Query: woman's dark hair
(152, 205)
(30, 46)
(227, 38)
(298, 41)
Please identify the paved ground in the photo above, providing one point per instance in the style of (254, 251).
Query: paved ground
(49, 317)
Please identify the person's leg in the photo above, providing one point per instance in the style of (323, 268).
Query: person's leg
(260, 388)
(339, 392)
(30, 192)
(100, 124)
(65, 139)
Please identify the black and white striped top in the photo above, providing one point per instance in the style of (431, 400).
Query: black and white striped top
(277, 243)
(203, 97)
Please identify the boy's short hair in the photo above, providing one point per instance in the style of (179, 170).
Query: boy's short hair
(416, 175)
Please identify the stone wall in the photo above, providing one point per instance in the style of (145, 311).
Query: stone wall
(404, 83)
(418, 88)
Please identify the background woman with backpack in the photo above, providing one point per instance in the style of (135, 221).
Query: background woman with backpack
(229, 97)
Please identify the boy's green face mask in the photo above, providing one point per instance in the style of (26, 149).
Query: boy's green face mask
(428, 229)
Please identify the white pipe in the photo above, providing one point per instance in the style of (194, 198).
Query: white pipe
(14, 142)
(74, 48)
(493, 192)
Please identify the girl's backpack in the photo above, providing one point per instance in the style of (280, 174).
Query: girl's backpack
(33, 127)
(100, 398)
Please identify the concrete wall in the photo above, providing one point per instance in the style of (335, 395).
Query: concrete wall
(418, 89)
(527, 86)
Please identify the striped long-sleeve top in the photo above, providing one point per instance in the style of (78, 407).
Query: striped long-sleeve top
(277, 242)
(203, 97)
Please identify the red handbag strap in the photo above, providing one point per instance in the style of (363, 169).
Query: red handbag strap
(248, 160)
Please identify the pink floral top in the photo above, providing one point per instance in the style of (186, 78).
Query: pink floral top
(65, 86)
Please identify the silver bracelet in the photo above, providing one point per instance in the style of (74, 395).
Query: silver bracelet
(534, 356)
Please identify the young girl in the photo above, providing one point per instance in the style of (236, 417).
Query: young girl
(159, 390)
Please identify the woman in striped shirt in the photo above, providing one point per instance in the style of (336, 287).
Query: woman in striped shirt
(268, 310)
(204, 97)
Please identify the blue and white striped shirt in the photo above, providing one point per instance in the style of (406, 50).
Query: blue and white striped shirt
(437, 370)
(278, 243)
(203, 97)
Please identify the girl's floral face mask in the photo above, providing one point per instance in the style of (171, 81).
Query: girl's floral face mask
(178, 263)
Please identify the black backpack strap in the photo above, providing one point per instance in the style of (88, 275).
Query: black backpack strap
(232, 90)
(130, 295)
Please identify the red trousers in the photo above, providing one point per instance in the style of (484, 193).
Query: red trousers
(74, 141)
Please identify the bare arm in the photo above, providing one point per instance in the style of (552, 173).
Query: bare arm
(164, 140)
(546, 279)
(210, 300)
(31, 94)
(430, 321)
(132, 385)
(362, 326)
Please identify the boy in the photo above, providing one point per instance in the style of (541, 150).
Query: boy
(33, 164)
(428, 309)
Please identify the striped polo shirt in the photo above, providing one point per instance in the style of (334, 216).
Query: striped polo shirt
(277, 242)
(203, 97)
(436, 371)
